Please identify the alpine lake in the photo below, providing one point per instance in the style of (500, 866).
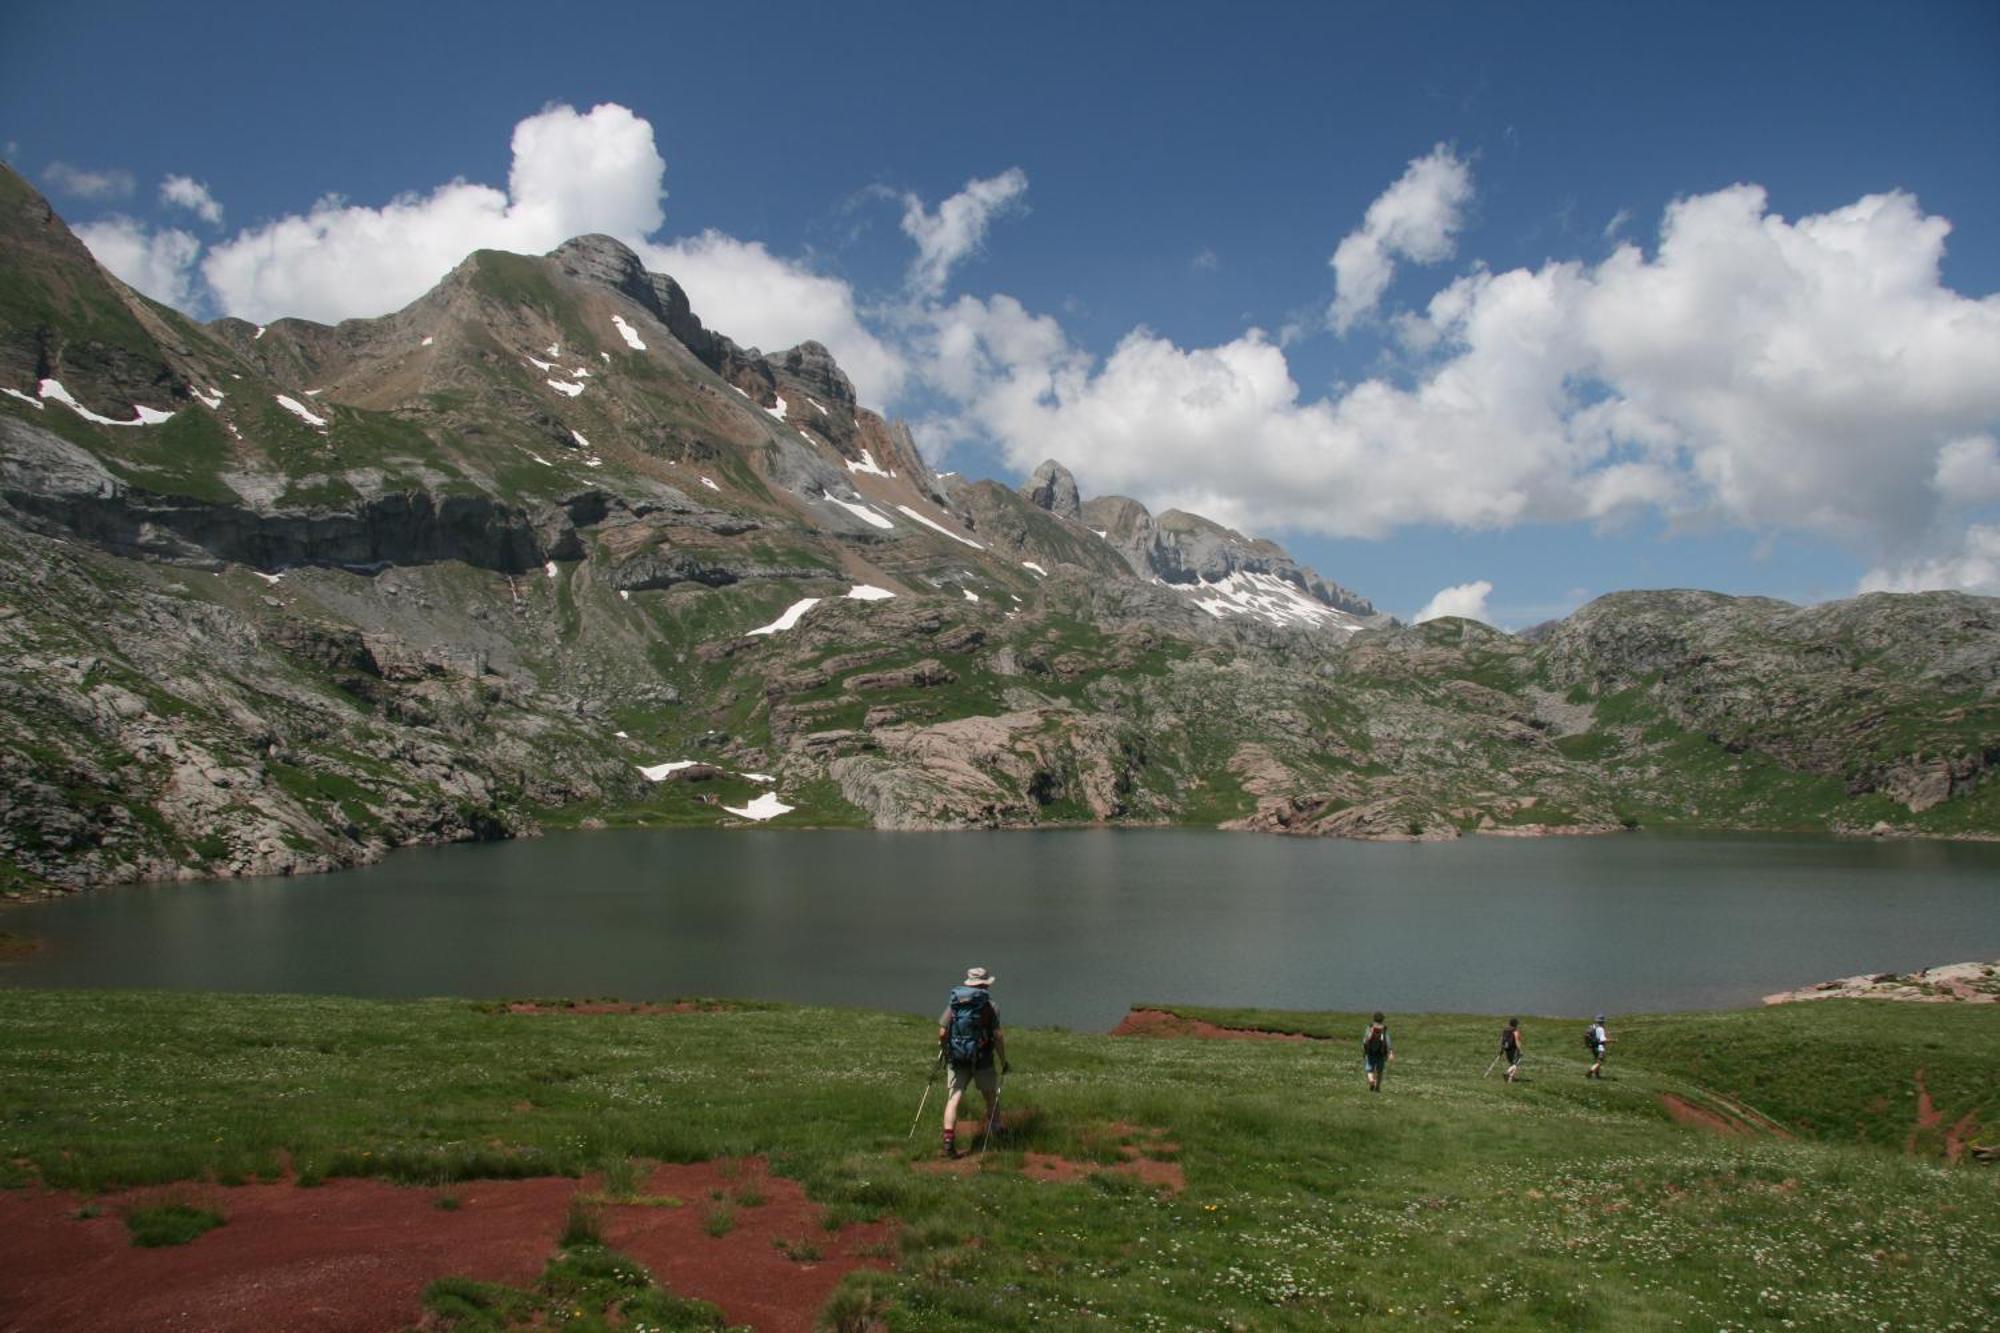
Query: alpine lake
(1078, 924)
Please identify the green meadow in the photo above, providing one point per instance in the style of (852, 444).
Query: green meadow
(1450, 1200)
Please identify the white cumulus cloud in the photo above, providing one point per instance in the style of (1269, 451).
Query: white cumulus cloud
(957, 229)
(191, 194)
(761, 300)
(1417, 218)
(1973, 566)
(159, 263)
(1811, 375)
(573, 172)
(1461, 599)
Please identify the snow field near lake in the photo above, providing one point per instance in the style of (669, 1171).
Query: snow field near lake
(1266, 597)
(790, 617)
(628, 333)
(936, 526)
(767, 806)
(301, 411)
(147, 416)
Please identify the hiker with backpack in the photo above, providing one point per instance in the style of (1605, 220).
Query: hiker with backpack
(1510, 1047)
(969, 1041)
(1377, 1051)
(1595, 1039)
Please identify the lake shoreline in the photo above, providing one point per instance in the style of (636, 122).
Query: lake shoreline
(17, 891)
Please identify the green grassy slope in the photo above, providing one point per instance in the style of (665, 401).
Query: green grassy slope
(1446, 1201)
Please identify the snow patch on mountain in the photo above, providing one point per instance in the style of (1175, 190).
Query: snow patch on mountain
(865, 513)
(790, 618)
(301, 411)
(779, 410)
(936, 527)
(30, 400)
(1268, 598)
(628, 333)
(865, 592)
(867, 465)
(1029, 564)
(565, 387)
(147, 416)
(210, 400)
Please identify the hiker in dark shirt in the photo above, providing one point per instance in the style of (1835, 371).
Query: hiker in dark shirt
(969, 1038)
(1377, 1051)
(1510, 1047)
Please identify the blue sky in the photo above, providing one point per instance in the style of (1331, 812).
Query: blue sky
(1188, 172)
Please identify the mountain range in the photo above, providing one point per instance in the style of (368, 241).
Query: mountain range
(543, 550)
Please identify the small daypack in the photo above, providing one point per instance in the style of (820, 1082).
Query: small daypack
(970, 1031)
(1377, 1044)
(1590, 1039)
(1510, 1040)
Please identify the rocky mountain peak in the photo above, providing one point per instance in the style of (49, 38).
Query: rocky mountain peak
(812, 365)
(1054, 489)
(600, 258)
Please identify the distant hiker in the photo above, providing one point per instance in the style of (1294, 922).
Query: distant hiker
(1377, 1051)
(1595, 1039)
(1510, 1047)
(969, 1038)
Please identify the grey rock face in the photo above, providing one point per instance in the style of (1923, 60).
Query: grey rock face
(1054, 489)
(1183, 548)
(812, 365)
(599, 258)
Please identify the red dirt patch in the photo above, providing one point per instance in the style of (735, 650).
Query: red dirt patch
(356, 1254)
(1166, 1176)
(1685, 1112)
(1160, 1023)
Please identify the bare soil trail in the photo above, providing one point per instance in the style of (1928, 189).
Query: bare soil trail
(353, 1256)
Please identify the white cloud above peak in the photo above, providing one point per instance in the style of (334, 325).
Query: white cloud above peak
(958, 228)
(1418, 218)
(573, 172)
(1461, 599)
(762, 300)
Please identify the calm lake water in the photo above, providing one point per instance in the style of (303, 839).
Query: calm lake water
(1078, 924)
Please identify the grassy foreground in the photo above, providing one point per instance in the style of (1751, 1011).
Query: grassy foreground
(1447, 1201)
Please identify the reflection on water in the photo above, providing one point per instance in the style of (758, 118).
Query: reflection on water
(1078, 923)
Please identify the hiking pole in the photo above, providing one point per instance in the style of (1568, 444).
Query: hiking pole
(1489, 1068)
(930, 1080)
(993, 1111)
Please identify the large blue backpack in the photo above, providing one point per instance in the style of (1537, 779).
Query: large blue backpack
(969, 1033)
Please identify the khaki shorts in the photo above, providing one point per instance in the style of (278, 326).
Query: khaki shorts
(964, 1076)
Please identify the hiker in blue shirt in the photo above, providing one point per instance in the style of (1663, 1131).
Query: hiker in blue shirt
(1377, 1051)
(970, 1041)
